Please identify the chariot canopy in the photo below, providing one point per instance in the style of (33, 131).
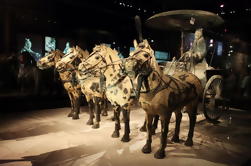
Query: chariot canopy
(184, 20)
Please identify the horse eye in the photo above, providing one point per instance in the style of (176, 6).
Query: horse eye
(97, 57)
(146, 55)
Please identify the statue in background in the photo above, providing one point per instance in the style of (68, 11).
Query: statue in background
(27, 48)
(195, 57)
(67, 46)
(198, 50)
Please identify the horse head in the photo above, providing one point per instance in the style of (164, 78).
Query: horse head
(141, 61)
(140, 64)
(74, 53)
(99, 59)
(50, 59)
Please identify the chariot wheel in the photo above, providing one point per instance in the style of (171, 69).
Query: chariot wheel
(213, 102)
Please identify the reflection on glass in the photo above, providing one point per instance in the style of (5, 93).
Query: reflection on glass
(162, 56)
(50, 44)
(67, 46)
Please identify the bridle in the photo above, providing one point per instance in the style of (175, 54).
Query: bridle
(94, 69)
(142, 76)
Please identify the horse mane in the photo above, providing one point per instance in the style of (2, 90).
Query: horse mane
(148, 49)
(59, 52)
(84, 53)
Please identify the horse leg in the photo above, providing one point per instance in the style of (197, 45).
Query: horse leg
(192, 120)
(115, 134)
(160, 154)
(155, 124)
(143, 127)
(126, 115)
(105, 107)
(76, 107)
(178, 117)
(91, 114)
(154, 127)
(147, 147)
(97, 112)
(71, 100)
(36, 81)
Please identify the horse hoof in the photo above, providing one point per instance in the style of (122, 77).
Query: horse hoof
(125, 138)
(115, 134)
(70, 115)
(113, 118)
(146, 149)
(74, 117)
(104, 114)
(143, 129)
(175, 139)
(89, 122)
(189, 143)
(153, 131)
(160, 154)
(95, 126)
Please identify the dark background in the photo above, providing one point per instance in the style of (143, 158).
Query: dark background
(89, 22)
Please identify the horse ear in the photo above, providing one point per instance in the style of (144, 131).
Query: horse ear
(146, 43)
(135, 43)
(153, 61)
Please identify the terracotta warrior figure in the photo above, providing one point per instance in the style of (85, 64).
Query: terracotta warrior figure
(196, 56)
(198, 49)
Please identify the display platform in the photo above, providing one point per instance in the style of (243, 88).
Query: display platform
(49, 137)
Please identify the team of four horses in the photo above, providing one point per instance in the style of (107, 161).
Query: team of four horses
(103, 75)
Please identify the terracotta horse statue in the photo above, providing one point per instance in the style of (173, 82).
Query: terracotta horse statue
(68, 78)
(89, 84)
(161, 95)
(118, 87)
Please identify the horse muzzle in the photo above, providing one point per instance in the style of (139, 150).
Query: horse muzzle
(60, 67)
(41, 65)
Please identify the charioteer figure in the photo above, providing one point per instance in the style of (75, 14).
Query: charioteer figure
(194, 59)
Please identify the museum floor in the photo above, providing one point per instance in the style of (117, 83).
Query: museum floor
(48, 137)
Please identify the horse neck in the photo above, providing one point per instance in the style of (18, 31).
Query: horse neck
(157, 77)
(112, 71)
